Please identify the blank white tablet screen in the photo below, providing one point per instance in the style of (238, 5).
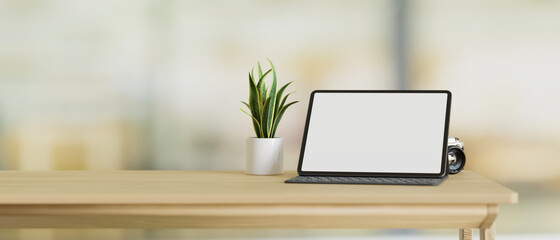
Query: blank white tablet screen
(376, 132)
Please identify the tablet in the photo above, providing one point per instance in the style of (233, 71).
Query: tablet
(376, 133)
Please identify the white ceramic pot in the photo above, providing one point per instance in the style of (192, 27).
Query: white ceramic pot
(265, 156)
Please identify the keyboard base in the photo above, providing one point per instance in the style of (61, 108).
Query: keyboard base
(367, 180)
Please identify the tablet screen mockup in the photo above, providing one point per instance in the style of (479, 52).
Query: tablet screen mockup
(376, 133)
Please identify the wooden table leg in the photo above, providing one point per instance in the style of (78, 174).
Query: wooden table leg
(488, 233)
(488, 226)
(465, 234)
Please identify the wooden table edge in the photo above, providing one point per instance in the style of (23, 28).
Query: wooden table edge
(246, 216)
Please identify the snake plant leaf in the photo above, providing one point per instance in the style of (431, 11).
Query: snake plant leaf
(256, 124)
(261, 78)
(265, 118)
(252, 76)
(261, 86)
(266, 106)
(253, 98)
(280, 115)
(265, 93)
(272, 97)
(284, 99)
(260, 70)
(279, 97)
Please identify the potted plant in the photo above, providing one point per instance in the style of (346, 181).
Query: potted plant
(266, 107)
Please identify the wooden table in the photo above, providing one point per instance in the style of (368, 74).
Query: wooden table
(205, 199)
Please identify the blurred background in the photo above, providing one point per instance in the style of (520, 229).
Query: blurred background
(129, 84)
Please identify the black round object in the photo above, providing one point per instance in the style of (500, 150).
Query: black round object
(456, 159)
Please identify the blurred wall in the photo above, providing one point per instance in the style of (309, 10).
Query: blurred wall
(501, 61)
(158, 84)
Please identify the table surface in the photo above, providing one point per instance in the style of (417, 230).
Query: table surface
(233, 199)
(231, 187)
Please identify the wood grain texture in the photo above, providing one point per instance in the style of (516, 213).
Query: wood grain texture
(202, 199)
(465, 234)
(491, 217)
(488, 233)
(233, 187)
(242, 216)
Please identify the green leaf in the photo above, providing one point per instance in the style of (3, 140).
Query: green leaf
(256, 124)
(261, 86)
(279, 97)
(253, 79)
(284, 99)
(264, 93)
(266, 105)
(265, 118)
(246, 104)
(264, 75)
(260, 70)
(272, 97)
(279, 117)
(253, 98)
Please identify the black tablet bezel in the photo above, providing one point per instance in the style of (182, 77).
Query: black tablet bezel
(443, 171)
